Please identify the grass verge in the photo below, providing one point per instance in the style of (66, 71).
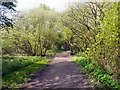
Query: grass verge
(104, 80)
(17, 78)
(92, 79)
(13, 63)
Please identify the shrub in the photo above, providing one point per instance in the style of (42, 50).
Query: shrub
(112, 84)
(90, 67)
(82, 61)
(101, 75)
(105, 78)
(98, 72)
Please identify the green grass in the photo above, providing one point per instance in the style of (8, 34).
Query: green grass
(17, 78)
(82, 70)
(13, 63)
(102, 76)
(53, 52)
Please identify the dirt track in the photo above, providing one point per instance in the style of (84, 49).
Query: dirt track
(61, 73)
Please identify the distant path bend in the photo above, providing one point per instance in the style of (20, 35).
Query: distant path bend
(61, 73)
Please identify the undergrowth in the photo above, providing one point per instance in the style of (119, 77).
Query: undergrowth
(102, 76)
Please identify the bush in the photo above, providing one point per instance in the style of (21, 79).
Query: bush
(98, 72)
(82, 61)
(101, 75)
(105, 77)
(90, 67)
(112, 84)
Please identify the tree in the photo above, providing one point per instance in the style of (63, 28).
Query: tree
(96, 32)
(6, 8)
(34, 33)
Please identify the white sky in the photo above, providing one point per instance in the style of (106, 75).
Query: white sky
(58, 5)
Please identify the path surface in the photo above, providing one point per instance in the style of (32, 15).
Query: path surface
(61, 73)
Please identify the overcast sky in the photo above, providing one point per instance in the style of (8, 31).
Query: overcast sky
(58, 5)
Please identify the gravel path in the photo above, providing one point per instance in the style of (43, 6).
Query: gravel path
(61, 73)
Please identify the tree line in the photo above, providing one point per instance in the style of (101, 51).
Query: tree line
(94, 33)
(88, 29)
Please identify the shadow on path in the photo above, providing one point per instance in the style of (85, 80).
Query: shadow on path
(61, 73)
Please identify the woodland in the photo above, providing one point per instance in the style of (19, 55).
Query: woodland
(90, 30)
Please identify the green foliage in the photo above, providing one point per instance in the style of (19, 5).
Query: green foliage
(92, 31)
(101, 75)
(17, 78)
(12, 63)
(33, 33)
(89, 29)
(53, 52)
(97, 72)
(83, 54)
(82, 61)
(45, 7)
(90, 67)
